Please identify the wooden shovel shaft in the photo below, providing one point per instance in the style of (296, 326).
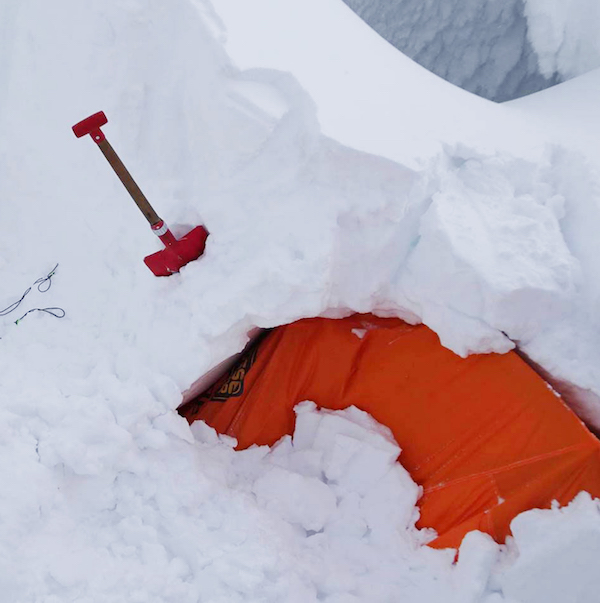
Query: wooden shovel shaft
(128, 181)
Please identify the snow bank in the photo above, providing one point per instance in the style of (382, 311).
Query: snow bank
(482, 47)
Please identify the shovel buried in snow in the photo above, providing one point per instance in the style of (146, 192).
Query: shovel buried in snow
(177, 252)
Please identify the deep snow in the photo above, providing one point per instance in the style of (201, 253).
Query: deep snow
(333, 178)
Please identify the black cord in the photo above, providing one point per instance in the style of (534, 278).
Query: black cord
(47, 278)
(14, 305)
(43, 285)
(58, 312)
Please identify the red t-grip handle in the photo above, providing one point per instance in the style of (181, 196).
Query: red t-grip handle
(91, 125)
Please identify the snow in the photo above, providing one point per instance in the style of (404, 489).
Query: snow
(357, 99)
(564, 35)
(334, 175)
(557, 551)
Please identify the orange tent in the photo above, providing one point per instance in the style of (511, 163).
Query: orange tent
(484, 436)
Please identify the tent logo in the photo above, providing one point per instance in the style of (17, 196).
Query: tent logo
(230, 385)
(233, 385)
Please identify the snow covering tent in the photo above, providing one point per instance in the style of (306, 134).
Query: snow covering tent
(484, 436)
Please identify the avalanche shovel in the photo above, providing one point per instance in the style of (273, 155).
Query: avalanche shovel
(177, 252)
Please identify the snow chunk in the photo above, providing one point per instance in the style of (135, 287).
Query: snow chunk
(558, 554)
(490, 257)
(295, 498)
(339, 472)
(357, 451)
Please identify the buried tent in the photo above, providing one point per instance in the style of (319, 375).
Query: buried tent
(484, 436)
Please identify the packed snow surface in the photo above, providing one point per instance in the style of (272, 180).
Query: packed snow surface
(333, 178)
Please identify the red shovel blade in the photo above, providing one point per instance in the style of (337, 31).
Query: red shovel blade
(176, 255)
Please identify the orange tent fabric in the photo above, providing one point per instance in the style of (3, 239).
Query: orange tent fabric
(484, 436)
